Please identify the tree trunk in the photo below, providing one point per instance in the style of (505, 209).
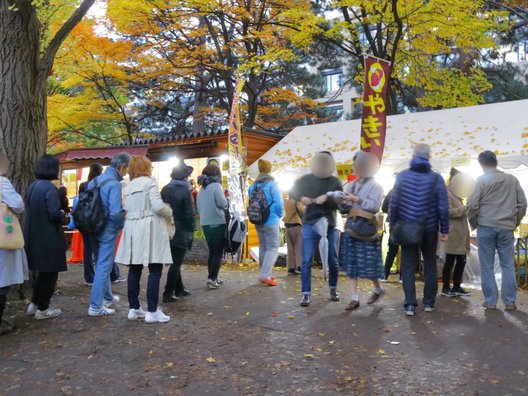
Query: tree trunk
(24, 72)
(200, 104)
(252, 102)
(23, 124)
(392, 100)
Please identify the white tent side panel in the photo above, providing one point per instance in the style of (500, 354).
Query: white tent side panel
(453, 134)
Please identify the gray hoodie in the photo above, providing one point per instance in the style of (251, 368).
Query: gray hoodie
(498, 201)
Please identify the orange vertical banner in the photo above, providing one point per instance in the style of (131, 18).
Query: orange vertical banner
(374, 117)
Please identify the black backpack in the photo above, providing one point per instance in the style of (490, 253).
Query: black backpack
(258, 209)
(89, 214)
(235, 232)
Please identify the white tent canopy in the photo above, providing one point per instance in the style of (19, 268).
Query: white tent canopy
(456, 137)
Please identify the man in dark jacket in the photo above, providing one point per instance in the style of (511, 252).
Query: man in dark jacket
(179, 196)
(412, 198)
(312, 191)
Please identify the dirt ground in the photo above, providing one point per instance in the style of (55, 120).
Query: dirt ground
(247, 339)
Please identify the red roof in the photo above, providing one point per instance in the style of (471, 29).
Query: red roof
(100, 152)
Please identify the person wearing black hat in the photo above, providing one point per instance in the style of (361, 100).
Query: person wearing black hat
(178, 195)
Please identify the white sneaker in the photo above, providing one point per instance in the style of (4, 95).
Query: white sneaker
(156, 317)
(121, 279)
(110, 304)
(48, 313)
(211, 284)
(32, 309)
(100, 312)
(134, 314)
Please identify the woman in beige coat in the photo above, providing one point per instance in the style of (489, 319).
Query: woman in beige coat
(145, 239)
(457, 246)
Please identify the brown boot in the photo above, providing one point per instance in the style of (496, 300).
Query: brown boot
(353, 305)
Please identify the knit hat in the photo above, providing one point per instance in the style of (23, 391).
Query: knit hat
(453, 172)
(323, 164)
(264, 166)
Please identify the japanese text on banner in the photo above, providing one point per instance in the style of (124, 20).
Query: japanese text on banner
(374, 117)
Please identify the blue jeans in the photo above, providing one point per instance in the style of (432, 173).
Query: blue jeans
(310, 242)
(490, 240)
(269, 241)
(90, 256)
(105, 254)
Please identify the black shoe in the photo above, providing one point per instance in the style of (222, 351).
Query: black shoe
(460, 292)
(334, 295)
(183, 293)
(409, 310)
(299, 270)
(170, 298)
(293, 271)
(6, 327)
(305, 302)
(446, 292)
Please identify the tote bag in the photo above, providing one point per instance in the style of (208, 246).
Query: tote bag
(11, 237)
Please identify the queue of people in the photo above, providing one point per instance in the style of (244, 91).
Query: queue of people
(157, 229)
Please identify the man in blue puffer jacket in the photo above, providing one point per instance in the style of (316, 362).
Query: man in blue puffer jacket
(411, 199)
(269, 232)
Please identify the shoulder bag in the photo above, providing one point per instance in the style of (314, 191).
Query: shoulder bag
(410, 233)
(361, 224)
(11, 237)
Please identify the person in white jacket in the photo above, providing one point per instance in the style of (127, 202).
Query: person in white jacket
(13, 263)
(145, 239)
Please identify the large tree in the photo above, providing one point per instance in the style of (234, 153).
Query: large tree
(434, 46)
(27, 53)
(193, 51)
(90, 93)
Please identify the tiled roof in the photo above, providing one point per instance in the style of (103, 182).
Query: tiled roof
(100, 152)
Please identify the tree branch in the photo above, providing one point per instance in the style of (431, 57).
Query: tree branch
(62, 33)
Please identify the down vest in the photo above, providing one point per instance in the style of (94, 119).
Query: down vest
(411, 197)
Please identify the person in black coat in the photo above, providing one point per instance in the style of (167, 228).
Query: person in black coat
(393, 248)
(44, 236)
(178, 195)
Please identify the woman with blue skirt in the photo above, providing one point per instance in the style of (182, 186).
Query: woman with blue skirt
(361, 249)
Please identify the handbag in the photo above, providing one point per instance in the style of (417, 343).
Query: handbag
(411, 232)
(11, 237)
(361, 225)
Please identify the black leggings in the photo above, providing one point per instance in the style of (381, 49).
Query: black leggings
(389, 259)
(43, 287)
(215, 237)
(134, 277)
(3, 299)
(458, 272)
(174, 279)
